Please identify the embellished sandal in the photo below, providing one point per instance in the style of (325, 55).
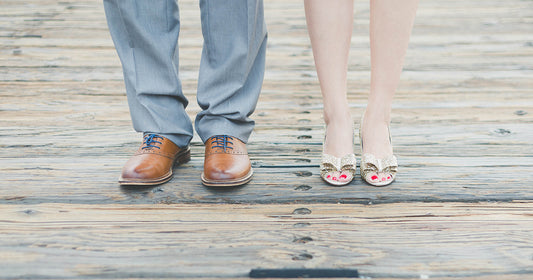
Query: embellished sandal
(372, 165)
(333, 168)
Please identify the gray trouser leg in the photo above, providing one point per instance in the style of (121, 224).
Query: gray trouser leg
(232, 66)
(145, 33)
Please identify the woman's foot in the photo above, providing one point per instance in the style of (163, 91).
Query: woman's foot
(378, 164)
(339, 137)
(338, 161)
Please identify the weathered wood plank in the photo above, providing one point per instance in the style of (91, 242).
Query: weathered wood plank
(474, 123)
(119, 241)
(471, 165)
(462, 127)
(46, 182)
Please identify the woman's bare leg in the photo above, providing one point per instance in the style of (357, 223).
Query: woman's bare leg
(330, 30)
(391, 22)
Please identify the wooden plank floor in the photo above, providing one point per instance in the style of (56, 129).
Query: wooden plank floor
(462, 206)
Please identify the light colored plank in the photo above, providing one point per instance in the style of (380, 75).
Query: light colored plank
(394, 240)
(454, 116)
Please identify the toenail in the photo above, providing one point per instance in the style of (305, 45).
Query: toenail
(329, 176)
(334, 178)
(374, 177)
(343, 176)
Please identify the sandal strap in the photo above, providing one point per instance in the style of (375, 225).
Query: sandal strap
(332, 163)
(349, 163)
(369, 163)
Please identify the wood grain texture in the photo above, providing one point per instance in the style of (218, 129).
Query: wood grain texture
(159, 241)
(462, 129)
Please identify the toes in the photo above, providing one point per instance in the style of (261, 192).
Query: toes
(345, 176)
(384, 177)
(379, 178)
(373, 177)
(333, 176)
(338, 178)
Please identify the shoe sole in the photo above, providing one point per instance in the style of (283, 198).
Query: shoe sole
(228, 183)
(183, 157)
(386, 183)
(337, 183)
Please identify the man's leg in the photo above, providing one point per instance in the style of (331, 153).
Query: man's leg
(145, 34)
(232, 67)
(231, 76)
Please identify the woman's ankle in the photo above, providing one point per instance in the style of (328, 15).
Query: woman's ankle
(376, 134)
(378, 114)
(339, 136)
(342, 117)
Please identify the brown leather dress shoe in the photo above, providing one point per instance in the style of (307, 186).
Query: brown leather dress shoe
(226, 162)
(152, 163)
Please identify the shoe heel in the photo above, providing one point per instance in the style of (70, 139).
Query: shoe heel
(184, 158)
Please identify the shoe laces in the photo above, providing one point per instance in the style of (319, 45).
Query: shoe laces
(150, 139)
(221, 141)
